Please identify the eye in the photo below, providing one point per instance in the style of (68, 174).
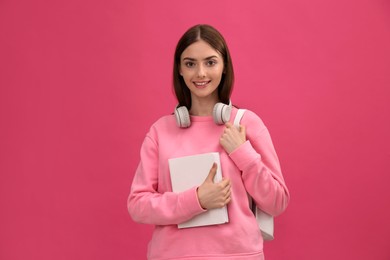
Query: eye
(211, 63)
(189, 64)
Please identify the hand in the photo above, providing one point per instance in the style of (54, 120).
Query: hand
(232, 137)
(214, 195)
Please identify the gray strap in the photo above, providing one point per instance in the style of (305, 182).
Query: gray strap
(239, 115)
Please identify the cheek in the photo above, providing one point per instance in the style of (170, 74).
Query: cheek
(186, 73)
(218, 73)
(187, 76)
(187, 80)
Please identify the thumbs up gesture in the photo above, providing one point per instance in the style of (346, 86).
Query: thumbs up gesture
(214, 195)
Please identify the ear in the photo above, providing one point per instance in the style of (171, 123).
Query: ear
(180, 72)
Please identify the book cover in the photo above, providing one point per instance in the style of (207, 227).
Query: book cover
(190, 171)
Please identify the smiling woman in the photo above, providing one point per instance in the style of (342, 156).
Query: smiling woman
(202, 67)
(203, 80)
(212, 49)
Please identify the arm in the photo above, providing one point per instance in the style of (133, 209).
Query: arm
(261, 173)
(259, 165)
(146, 205)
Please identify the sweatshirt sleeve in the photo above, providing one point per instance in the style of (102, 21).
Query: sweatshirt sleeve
(261, 172)
(147, 205)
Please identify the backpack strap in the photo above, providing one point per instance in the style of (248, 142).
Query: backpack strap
(264, 220)
(239, 115)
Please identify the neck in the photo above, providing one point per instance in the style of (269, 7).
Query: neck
(203, 107)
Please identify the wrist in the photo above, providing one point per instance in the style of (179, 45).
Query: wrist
(199, 200)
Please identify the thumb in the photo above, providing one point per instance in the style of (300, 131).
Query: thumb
(213, 171)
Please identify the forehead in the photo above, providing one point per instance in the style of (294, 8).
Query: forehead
(200, 50)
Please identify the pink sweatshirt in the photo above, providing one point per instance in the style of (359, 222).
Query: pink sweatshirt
(253, 168)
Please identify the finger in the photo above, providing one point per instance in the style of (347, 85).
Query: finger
(228, 200)
(228, 125)
(227, 193)
(243, 130)
(225, 190)
(227, 129)
(225, 182)
(224, 187)
(212, 173)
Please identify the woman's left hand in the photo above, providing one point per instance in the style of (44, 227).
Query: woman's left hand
(232, 137)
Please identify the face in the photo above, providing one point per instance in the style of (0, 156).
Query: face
(201, 67)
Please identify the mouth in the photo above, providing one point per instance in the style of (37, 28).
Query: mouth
(201, 84)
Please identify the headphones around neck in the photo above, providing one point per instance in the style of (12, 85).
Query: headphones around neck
(221, 114)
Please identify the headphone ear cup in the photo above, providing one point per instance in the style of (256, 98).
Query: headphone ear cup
(182, 117)
(221, 113)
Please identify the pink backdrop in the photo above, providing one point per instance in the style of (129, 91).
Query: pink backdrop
(82, 81)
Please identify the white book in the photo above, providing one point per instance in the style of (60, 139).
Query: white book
(191, 171)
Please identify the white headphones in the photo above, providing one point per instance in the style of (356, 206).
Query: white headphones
(221, 114)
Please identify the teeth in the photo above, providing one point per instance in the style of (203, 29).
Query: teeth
(200, 83)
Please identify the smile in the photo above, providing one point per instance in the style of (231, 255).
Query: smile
(201, 84)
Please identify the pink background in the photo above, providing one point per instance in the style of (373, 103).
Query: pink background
(82, 81)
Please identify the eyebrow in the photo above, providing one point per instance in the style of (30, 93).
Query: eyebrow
(207, 58)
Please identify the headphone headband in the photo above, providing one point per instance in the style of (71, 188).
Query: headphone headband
(221, 114)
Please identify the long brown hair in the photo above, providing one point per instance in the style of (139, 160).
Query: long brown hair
(210, 35)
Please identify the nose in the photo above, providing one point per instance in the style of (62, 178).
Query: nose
(201, 72)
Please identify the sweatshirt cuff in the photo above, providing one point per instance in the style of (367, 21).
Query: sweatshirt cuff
(190, 201)
(244, 155)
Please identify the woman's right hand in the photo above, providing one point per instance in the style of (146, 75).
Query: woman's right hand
(214, 195)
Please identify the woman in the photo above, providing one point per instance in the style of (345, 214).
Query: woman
(203, 81)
